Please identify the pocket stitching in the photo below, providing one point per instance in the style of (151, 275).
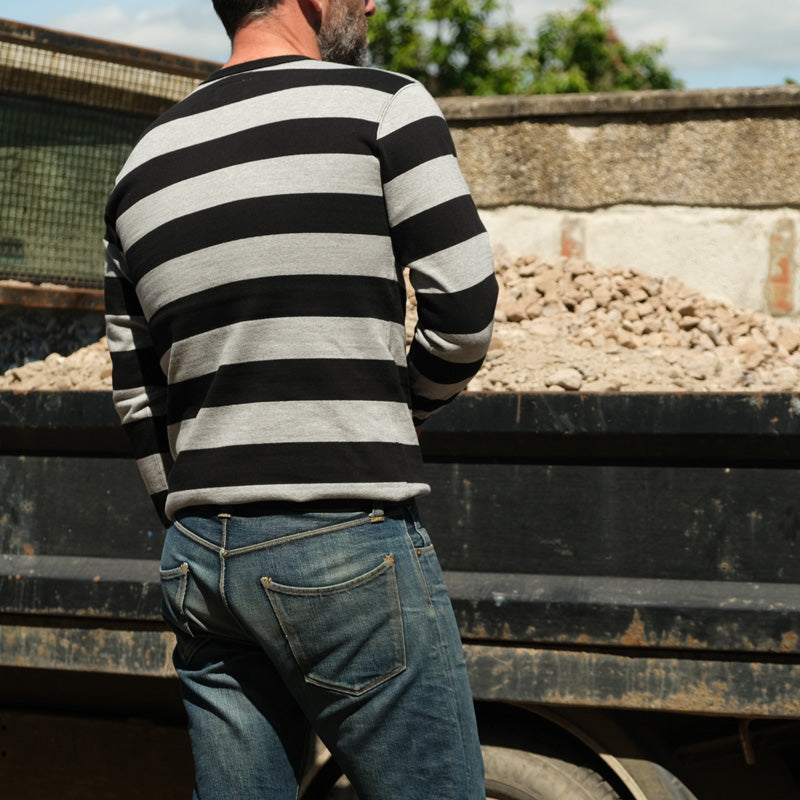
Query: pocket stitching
(293, 636)
(334, 588)
(300, 535)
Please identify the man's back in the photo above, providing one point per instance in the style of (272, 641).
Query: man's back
(262, 223)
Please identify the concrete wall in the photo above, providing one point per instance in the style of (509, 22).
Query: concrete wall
(703, 186)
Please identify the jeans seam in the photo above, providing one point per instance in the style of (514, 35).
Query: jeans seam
(222, 563)
(275, 542)
(449, 656)
(195, 538)
(295, 537)
(418, 552)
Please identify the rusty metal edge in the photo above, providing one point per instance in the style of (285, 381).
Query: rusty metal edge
(549, 677)
(88, 649)
(520, 675)
(41, 296)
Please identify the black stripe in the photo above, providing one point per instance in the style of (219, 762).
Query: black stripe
(134, 368)
(111, 233)
(315, 379)
(280, 296)
(438, 370)
(160, 501)
(426, 404)
(249, 66)
(445, 225)
(296, 463)
(413, 145)
(258, 216)
(120, 298)
(275, 140)
(467, 311)
(226, 86)
(148, 436)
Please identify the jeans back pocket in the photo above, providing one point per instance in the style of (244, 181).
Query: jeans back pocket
(347, 637)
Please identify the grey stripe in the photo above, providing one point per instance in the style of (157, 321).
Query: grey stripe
(126, 333)
(436, 273)
(285, 338)
(316, 102)
(297, 421)
(457, 348)
(285, 254)
(409, 104)
(424, 187)
(301, 174)
(152, 471)
(292, 492)
(431, 389)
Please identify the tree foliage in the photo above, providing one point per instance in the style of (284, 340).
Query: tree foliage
(473, 47)
(582, 52)
(452, 46)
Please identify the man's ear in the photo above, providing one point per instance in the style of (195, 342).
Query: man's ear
(316, 6)
(312, 11)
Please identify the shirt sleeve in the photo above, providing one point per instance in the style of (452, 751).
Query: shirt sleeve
(438, 235)
(140, 386)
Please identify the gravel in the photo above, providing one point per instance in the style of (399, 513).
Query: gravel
(563, 325)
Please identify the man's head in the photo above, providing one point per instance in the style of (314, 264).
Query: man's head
(340, 26)
(234, 13)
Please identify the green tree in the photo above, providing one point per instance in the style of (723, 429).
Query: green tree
(582, 52)
(473, 47)
(452, 46)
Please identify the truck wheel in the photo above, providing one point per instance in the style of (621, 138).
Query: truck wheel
(510, 775)
(521, 775)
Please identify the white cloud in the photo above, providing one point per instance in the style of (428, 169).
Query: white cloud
(715, 33)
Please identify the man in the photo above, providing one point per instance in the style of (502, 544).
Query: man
(255, 312)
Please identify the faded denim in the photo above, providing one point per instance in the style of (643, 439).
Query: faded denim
(336, 622)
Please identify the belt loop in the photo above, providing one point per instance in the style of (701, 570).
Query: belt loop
(377, 515)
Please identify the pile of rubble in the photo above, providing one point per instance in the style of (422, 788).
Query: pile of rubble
(87, 369)
(562, 325)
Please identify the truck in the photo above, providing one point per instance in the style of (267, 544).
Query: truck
(624, 569)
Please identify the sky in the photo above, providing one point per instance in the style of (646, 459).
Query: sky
(708, 44)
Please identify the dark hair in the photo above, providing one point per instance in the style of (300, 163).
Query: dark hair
(233, 13)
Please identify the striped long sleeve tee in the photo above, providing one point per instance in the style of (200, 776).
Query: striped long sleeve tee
(255, 247)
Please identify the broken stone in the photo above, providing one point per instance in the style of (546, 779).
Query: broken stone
(569, 379)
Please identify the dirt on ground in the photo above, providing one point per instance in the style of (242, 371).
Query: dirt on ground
(563, 325)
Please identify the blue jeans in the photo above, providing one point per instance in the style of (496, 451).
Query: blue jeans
(333, 621)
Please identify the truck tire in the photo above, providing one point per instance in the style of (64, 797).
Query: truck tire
(510, 775)
(520, 775)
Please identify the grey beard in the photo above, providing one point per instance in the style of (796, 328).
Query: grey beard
(343, 43)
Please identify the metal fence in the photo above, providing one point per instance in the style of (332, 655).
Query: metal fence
(71, 108)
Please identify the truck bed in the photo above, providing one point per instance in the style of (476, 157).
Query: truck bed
(630, 551)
